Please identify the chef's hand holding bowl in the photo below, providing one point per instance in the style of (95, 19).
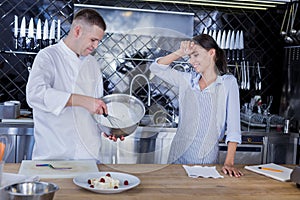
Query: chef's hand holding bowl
(124, 112)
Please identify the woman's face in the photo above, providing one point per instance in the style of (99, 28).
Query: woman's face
(201, 59)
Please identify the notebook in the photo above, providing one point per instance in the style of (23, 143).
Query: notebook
(272, 170)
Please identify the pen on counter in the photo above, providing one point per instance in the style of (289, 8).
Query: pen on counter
(270, 169)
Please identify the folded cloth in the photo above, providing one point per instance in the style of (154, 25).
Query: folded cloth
(199, 171)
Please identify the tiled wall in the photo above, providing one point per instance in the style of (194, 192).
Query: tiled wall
(261, 33)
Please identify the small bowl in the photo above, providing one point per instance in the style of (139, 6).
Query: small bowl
(31, 191)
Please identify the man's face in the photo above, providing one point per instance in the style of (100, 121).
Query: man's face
(89, 39)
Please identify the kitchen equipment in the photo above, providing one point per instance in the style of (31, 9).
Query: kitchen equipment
(219, 35)
(52, 167)
(223, 40)
(31, 35)
(31, 191)
(45, 34)
(231, 46)
(258, 77)
(16, 31)
(58, 30)
(39, 34)
(9, 110)
(114, 121)
(248, 77)
(236, 46)
(29, 168)
(23, 32)
(295, 176)
(241, 46)
(127, 108)
(227, 44)
(52, 33)
(214, 34)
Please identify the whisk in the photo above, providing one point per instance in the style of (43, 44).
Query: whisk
(114, 121)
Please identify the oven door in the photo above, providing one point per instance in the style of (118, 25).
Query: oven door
(245, 153)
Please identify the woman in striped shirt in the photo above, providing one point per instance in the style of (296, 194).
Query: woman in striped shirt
(209, 104)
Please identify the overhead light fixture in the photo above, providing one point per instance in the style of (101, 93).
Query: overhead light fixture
(245, 4)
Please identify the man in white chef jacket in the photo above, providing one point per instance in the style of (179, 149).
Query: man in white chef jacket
(64, 88)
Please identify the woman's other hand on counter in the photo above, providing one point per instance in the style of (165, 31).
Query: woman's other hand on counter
(231, 171)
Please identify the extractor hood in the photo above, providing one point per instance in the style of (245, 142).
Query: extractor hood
(245, 4)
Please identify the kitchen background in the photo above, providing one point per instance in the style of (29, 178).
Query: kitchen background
(140, 31)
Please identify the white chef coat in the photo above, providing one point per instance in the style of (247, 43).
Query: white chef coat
(63, 132)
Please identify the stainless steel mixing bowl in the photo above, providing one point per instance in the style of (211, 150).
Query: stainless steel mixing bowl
(31, 191)
(136, 111)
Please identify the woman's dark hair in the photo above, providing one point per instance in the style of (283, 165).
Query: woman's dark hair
(90, 16)
(207, 42)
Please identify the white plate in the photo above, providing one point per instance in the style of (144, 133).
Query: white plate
(82, 181)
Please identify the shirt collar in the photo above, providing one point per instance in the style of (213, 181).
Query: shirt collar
(195, 77)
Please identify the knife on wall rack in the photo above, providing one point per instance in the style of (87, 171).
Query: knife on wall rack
(23, 32)
(31, 35)
(227, 44)
(52, 33)
(45, 34)
(231, 46)
(39, 35)
(16, 32)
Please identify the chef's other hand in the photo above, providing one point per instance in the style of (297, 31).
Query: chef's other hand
(231, 171)
(114, 137)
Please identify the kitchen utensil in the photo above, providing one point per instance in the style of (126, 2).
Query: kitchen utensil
(23, 32)
(58, 30)
(231, 46)
(16, 31)
(248, 77)
(282, 32)
(227, 44)
(219, 35)
(33, 190)
(52, 167)
(45, 34)
(204, 30)
(52, 33)
(292, 30)
(242, 75)
(31, 34)
(114, 121)
(259, 76)
(236, 46)
(287, 38)
(214, 35)
(210, 32)
(223, 40)
(241, 46)
(39, 34)
(127, 108)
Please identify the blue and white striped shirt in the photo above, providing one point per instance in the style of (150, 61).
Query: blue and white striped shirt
(205, 116)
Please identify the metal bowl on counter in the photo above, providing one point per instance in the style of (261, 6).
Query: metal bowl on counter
(124, 114)
(31, 191)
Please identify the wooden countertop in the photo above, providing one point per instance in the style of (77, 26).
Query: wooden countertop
(171, 182)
